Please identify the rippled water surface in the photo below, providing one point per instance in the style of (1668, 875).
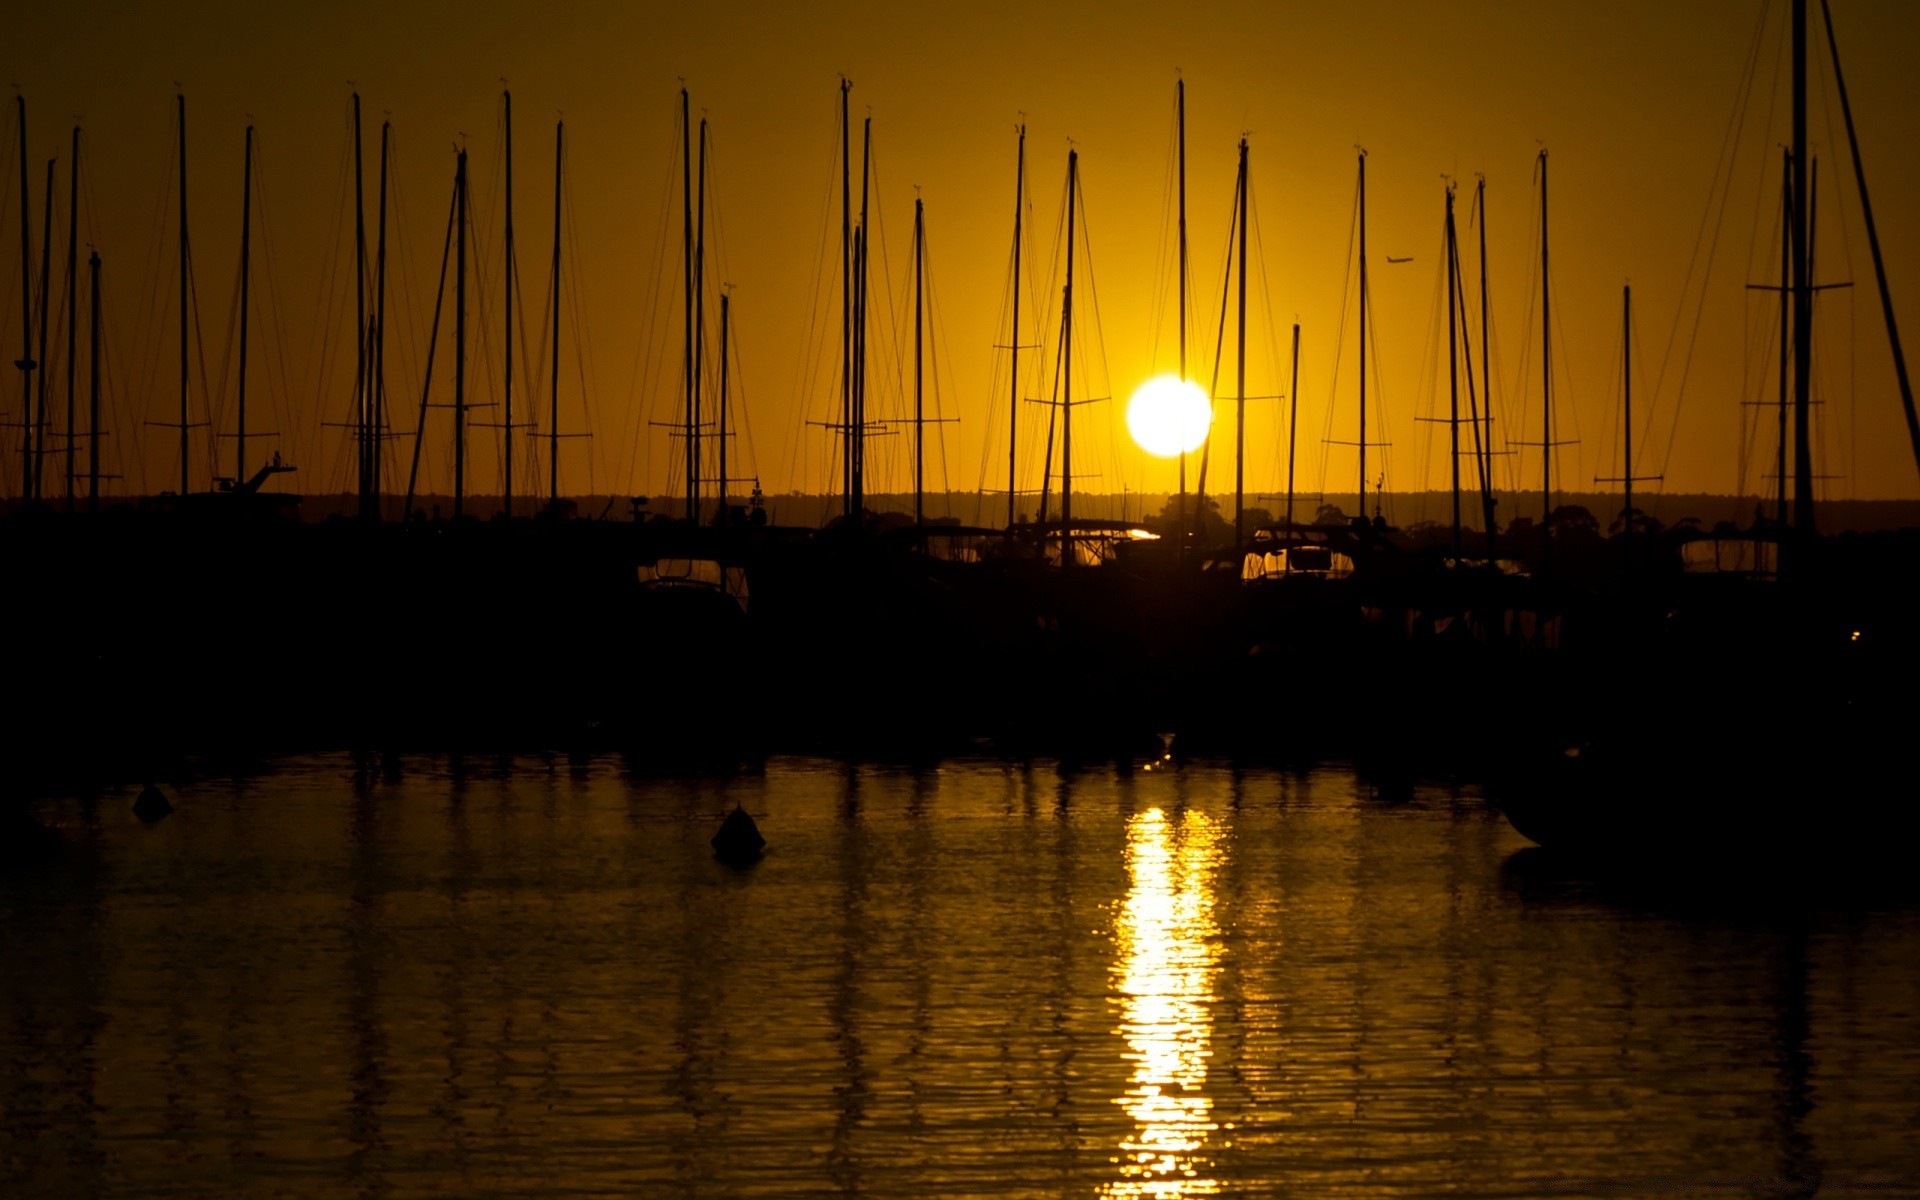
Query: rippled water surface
(532, 978)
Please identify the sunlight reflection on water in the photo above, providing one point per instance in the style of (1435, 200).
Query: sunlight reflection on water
(1166, 935)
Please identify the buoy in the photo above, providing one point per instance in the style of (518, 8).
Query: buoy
(738, 842)
(152, 804)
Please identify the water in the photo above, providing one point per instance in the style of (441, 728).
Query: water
(531, 978)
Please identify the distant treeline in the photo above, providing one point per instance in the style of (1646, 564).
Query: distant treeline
(1402, 509)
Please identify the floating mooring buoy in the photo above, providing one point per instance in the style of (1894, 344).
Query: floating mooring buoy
(152, 804)
(738, 842)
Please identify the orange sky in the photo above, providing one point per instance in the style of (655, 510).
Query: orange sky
(1631, 99)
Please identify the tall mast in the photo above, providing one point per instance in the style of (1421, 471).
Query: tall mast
(720, 414)
(553, 391)
(863, 268)
(1786, 326)
(377, 429)
(246, 252)
(506, 416)
(1066, 371)
(73, 294)
(1180, 121)
(460, 339)
(846, 312)
(919, 415)
(1546, 381)
(1363, 335)
(1013, 398)
(1240, 407)
(46, 273)
(686, 236)
(93, 387)
(26, 362)
(182, 110)
(364, 406)
(1873, 242)
(1802, 286)
(1453, 367)
(1293, 418)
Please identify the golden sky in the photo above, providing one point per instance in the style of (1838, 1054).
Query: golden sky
(1633, 101)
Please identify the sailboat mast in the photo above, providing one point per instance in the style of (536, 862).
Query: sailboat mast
(686, 365)
(73, 294)
(182, 112)
(378, 426)
(1802, 286)
(919, 414)
(26, 363)
(1363, 335)
(553, 391)
(1180, 117)
(1293, 418)
(363, 408)
(1453, 366)
(1066, 371)
(93, 387)
(720, 414)
(1873, 242)
(1546, 382)
(46, 274)
(246, 259)
(1786, 327)
(506, 417)
(1013, 398)
(460, 338)
(1240, 407)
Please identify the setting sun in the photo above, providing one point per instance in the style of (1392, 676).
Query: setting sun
(1169, 416)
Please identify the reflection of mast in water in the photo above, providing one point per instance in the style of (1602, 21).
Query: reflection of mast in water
(1169, 956)
(1798, 1164)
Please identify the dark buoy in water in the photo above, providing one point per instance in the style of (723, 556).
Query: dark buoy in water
(738, 843)
(152, 804)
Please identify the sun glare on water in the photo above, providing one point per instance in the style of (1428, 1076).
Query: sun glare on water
(1169, 416)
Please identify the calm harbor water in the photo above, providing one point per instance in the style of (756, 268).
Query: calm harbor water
(531, 978)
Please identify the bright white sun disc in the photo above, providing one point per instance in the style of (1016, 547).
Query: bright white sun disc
(1169, 417)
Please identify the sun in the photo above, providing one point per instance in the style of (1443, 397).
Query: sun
(1169, 416)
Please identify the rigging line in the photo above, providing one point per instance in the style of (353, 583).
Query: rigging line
(636, 412)
(1163, 262)
(1430, 372)
(1340, 341)
(1099, 348)
(283, 407)
(1724, 167)
(147, 352)
(644, 397)
(1273, 329)
(813, 349)
(200, 354)
(320, 341)
(1219, 348)
(939, 357)
(583, 340)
